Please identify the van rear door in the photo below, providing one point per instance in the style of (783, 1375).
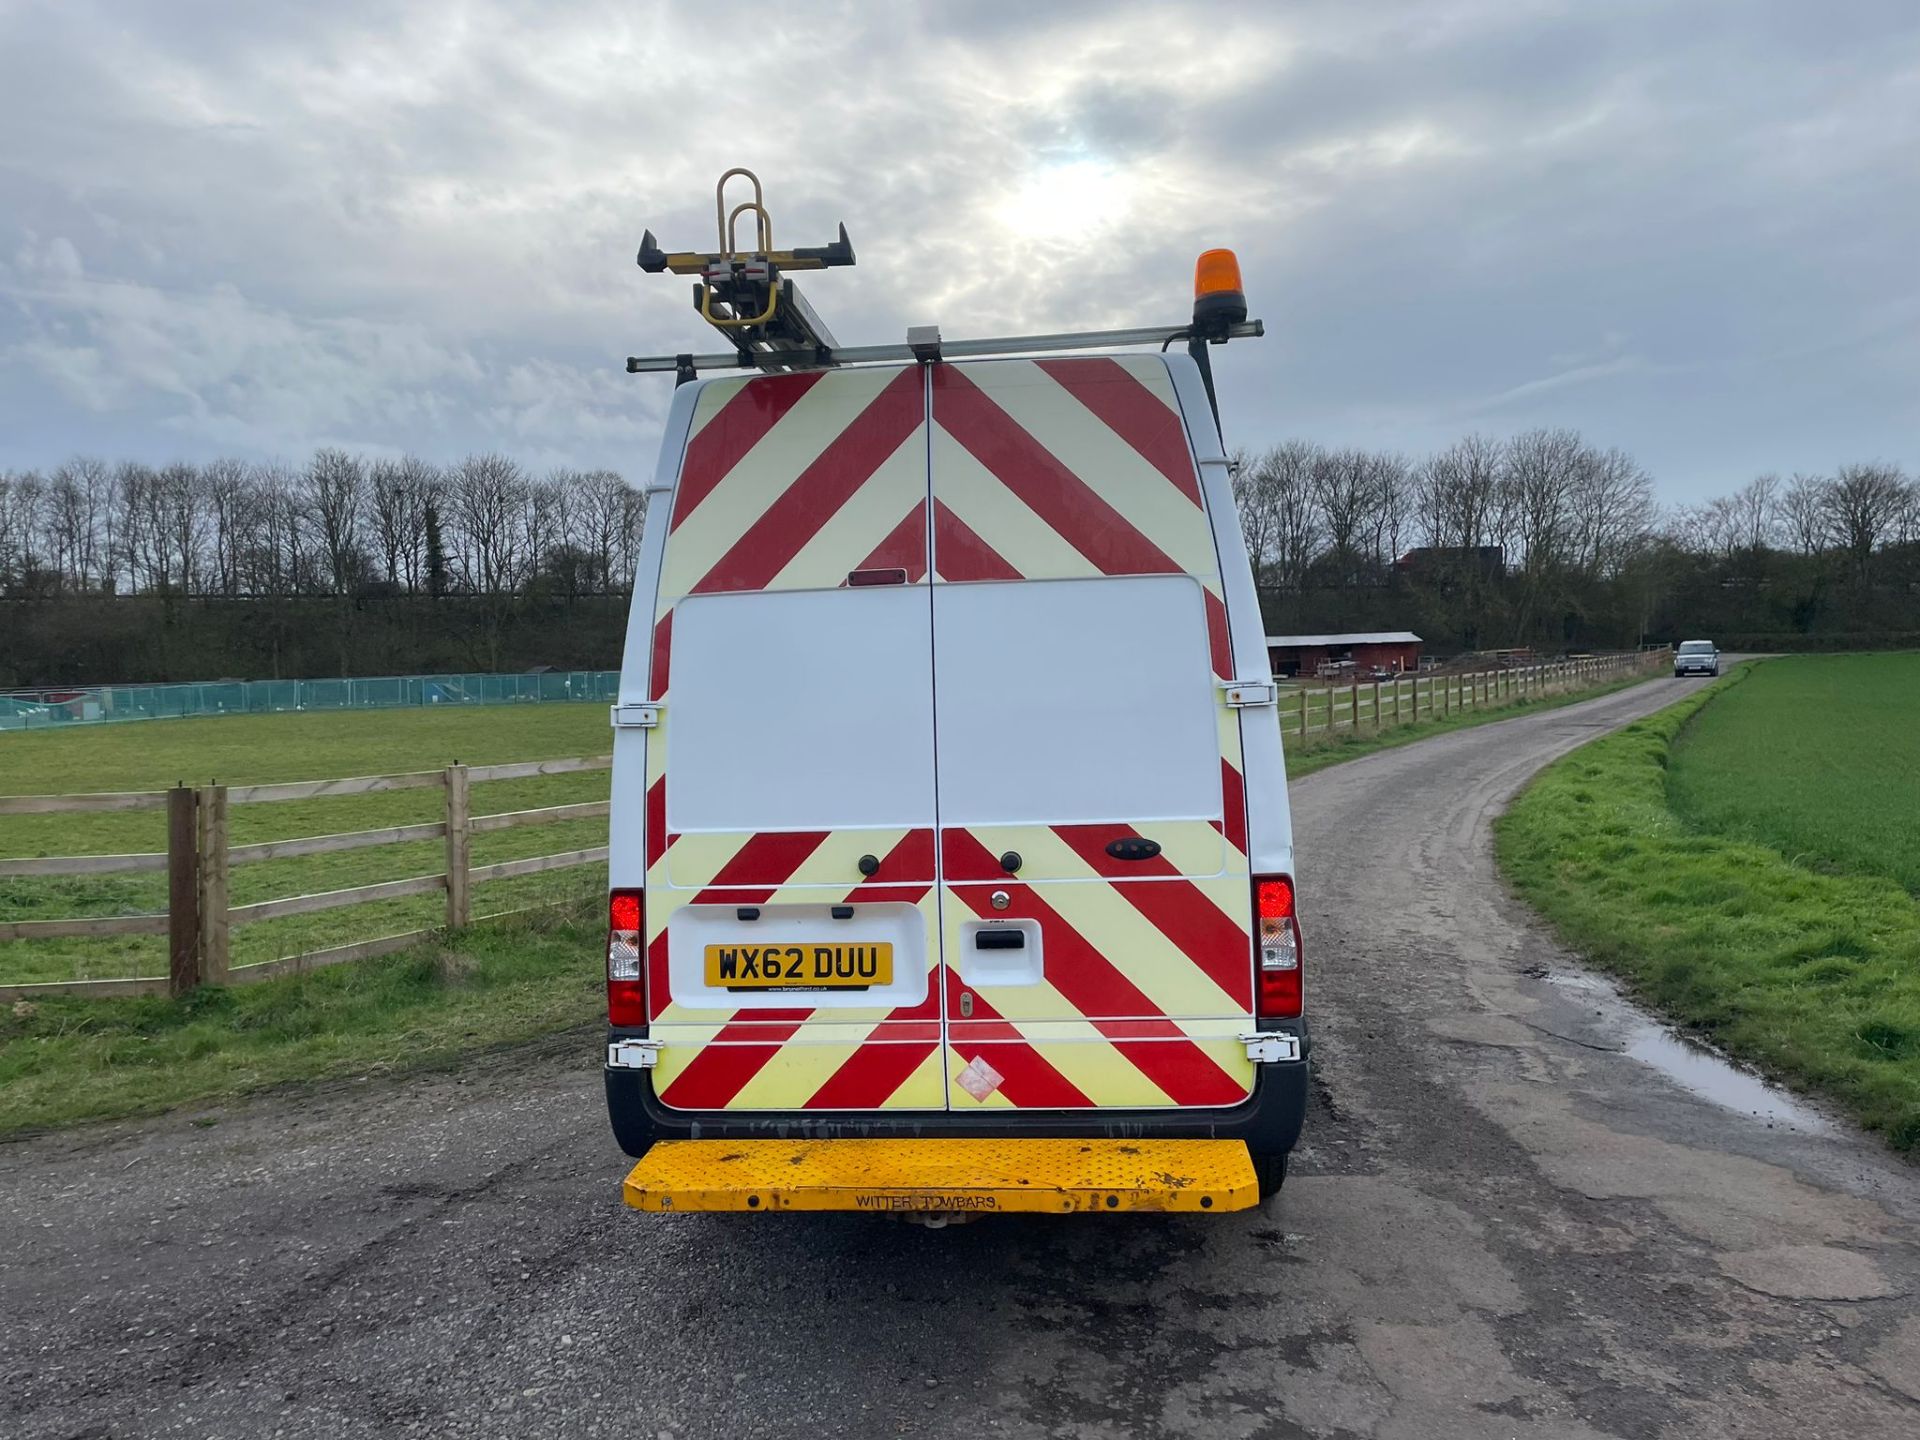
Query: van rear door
(1092, 826)
(793, 945)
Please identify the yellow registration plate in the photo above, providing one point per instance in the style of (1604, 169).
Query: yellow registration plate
(800, 967)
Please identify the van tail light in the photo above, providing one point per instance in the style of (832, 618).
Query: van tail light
(1277, 938)
(626, 979)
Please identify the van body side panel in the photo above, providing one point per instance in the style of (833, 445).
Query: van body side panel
(794, 741)
(1269, 844)
(1080, 638)
(627, 834)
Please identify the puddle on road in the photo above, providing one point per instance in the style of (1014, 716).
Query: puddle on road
(1712, 1078)
(1693, 1068)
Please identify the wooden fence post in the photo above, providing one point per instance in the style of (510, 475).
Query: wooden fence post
(1353, 706)
(459, 848)
(183, 891)
(213, 885)
(1306, 697)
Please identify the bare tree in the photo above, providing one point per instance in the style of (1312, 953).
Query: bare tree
(1906, 526)
(1803, 513)
(1346, 492)
(1539, 479)
(1539, 476)
(1863, 506)
(182, 524)
(1458, 491)
(228, 488)
(1395, 502)
(486, 496)
(77, 505)
(140, 522)
(1708, 529)
(401, 491)
(600, 506)
(1755, 513)
(1611, 508)
(542, 519)
(334, 489)
(22, 494)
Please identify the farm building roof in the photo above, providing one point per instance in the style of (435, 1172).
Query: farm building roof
(1372, 637)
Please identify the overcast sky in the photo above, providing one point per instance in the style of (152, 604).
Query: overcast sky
(1690, 229)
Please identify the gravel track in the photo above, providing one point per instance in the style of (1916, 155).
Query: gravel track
(1500, 1224)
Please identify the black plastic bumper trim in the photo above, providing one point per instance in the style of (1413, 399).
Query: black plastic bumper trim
(1268, 1121)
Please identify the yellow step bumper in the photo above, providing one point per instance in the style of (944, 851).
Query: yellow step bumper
(944, 1176)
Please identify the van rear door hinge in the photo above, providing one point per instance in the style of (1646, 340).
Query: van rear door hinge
(1243, 694)
(633, 1054)
(636, 717)
(1268, 1047)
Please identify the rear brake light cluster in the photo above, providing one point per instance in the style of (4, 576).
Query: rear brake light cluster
(626, 982)
(1277, 937)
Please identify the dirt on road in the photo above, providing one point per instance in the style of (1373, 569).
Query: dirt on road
(1503, 1222)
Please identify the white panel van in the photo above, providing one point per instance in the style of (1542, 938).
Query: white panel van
(948, 796)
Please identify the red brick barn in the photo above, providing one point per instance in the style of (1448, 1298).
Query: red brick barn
(1390, 650)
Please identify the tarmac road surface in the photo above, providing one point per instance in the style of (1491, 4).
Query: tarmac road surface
(1501, 1223)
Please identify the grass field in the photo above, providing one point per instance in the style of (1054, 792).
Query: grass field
(1785, 959)
(68, 1060)
(1818, 757)
(1305, 757)
(64, 1061)
(252, 748)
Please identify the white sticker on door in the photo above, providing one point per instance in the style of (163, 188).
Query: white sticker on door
(980, 1079)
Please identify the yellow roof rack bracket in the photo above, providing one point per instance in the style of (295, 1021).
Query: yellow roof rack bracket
(742, 293)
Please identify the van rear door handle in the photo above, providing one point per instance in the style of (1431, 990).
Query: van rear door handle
(1000, 938)
(1133, 847)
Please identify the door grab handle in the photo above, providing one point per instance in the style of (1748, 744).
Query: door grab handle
(1000, 938)
(1133, 847)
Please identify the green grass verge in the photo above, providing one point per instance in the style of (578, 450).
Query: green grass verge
(243, 749)
(1813, 975)
(1815, 756)
(63, 1061)
(1303, 758)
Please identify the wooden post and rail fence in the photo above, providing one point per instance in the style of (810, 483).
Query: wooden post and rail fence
(1311, 709)
(199, 858)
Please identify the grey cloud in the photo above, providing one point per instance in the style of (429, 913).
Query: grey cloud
(1681, 228)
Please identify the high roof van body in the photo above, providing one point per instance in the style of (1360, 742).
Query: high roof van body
(948, 796)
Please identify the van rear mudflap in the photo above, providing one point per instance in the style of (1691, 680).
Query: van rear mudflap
(1269, 1121)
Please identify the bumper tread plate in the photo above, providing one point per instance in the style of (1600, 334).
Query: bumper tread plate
(952, 1175)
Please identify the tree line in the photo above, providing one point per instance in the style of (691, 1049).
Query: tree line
(121, 573)
(128, 573)
(340, 525)
(1546, 538)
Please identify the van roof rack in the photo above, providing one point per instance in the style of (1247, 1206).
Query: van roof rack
(770, 326)
(924, 343)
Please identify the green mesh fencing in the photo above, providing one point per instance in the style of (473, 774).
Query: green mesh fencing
(106, 704)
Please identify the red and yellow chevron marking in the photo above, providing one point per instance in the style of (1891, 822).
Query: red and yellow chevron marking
(1081, 468)
(1129, 949)
(1047, 469)
(792, 1065)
